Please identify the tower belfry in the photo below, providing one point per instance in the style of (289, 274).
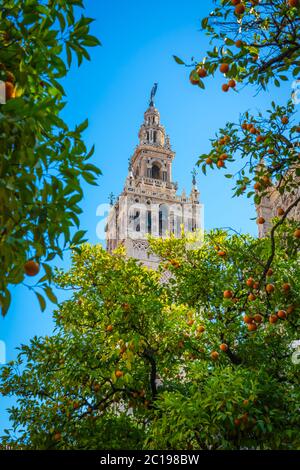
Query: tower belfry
(149, 204)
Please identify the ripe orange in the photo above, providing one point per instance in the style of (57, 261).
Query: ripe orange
(260, 138)
(232, 83)
(224, 68)
(221, 253)
(246, 402)
(245, 126)
(214, 355)
(284, 120)
(240, 9)
(281, 314)
(223, 156)
(270, 272)
(293, 3)
(280, 211)
(202, 72)
(194, 78)
(286, 287)
(209, 161)
(235, 2)
(297, 233)
(200, 329)
(119, 374)
(109, 328)
(273, 318)
(31, 268)
(271, 151)
(290, 309)
(248, 319)
(266, 180)
(220, 164)
(260, 220)
(251, 297)
(255, 57)
(227, 294)
(237, 422)
(9, 91)
(225, 87)
(253, 130)
(223, 347)
(57, 436)
(239, 43)
(191, 322)
(252, 327)
(250, 282)
(256, 285)
(257, 186)
(258, 318)
(75, 405)
(10, 77)
(270, 288)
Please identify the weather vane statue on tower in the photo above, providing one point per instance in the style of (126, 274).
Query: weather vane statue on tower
(153, 93)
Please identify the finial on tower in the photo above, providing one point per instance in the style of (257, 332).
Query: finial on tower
(194, 182)
(153, 93)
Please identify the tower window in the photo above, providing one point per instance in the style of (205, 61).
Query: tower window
(155, 172)
(163, 220)
(164, 176)
(154, 136)
(149, 222)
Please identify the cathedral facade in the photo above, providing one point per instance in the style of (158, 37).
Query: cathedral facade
(149, 203)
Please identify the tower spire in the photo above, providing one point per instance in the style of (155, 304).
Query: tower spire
(153, 93)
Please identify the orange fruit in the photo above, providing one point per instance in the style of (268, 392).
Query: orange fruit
(286, 287)
(209, 161)
(194, 78)
(31, 268)
(284, 120)
(290, 309)
(281, 314)
(293, 3)
(224, 68)
(202, 72)
(227, 294)
(240, 9)
(200, 329)
(260, 220)
(232, 83)
(237, 422)
(214, 355)
(223, 347)
(119, 374)
(246, 402)
(251, 297)
(270, 288)
(258, 318)
(273, 318)
(57, 436)
(191, 322)
(256, 285)
(9, 91)
(250, 282)
(248, 319)
(257, 186)
(225, 87)
(220, 164)
(221, 253)
(270, 272)
(239, 43)
(109, 328)
(252, 327)
(297, 233)
(235, 2)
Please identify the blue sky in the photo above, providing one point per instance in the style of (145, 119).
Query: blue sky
(139, 39)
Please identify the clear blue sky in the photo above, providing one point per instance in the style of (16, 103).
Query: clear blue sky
(139, 39)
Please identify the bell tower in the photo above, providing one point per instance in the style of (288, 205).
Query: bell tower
(149, 203)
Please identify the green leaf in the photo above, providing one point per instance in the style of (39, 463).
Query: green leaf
(41, 300)
(178, 60)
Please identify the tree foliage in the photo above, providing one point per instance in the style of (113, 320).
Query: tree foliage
(165, 365)
(42, 159)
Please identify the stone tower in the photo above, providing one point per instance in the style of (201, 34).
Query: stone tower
(149, 203)
(270, 204)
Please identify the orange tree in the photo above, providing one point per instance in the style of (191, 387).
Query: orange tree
(42, 159)
(201, 362)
